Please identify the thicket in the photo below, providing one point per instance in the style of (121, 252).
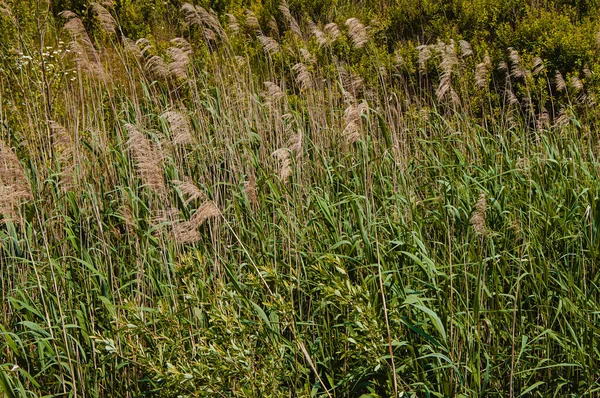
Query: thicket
(313, 198)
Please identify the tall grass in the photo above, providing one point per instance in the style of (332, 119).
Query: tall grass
(245, 212)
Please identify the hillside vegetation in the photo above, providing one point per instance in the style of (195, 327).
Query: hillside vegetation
(306, 199)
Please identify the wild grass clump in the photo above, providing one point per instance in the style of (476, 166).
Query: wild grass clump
(287, 201)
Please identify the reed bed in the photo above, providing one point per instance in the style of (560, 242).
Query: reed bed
(275, 207)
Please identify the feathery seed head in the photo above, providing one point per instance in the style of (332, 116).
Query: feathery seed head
(559, 80)
(478, 219)
(179, 125)
(107, 21)
(269, 44)
(357, 32)
(147, 158)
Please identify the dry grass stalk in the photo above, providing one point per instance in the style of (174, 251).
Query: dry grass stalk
(14, 185)
(478, 219)
(147, 159)
(179, 126)
(107, 22)
(358, 33)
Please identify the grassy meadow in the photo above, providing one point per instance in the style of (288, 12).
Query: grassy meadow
(314, 199)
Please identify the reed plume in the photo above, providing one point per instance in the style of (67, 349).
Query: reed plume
(538, 65)
(353, 121)
(250, 189)
(449, 60)
(478, 219)
(425, 55)
(357, 32)
(233, 23)
(274, 92)
(189, 190)
(14, 185)
(179, 52)
(307, 56)
(282, 155)
(64, 145)
(252, 21)
(332, 32)
(107, 21)
(205, 20)
(132, 48)
(179, 126)
(465, 48)
(273, 28)
(157, 67)
(317, 33)
(559, 80)
(575, 83)
(482, 72)
(516, 70)
(303, 76)
(185, 232)
(147, 159)
(269, 44)
(289, 18)
(86, 56)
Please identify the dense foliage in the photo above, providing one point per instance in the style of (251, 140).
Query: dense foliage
(314, 198)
